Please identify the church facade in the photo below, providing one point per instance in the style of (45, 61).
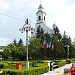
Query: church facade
(41, 21)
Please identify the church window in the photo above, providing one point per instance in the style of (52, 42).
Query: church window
(44, 18)
(39, 17)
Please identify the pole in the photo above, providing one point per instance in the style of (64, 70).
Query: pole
(27, 62)
(27, 43)
(26, 27)
(68, 51)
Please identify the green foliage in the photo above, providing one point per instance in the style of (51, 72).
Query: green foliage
(1, 66)
(15, 50)
(62, 63)
(31, 71)
(35, 51)
(69, 61)
(4, 65)
(34, 48)
(20, 42)
(34, 63)
(12, 72)
(55, 29)
(40, 32)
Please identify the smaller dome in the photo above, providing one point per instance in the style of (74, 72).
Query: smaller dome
(40, 6)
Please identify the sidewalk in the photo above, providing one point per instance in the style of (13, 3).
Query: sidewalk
(58, 71)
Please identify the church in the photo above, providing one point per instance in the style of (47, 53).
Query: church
(41, 21)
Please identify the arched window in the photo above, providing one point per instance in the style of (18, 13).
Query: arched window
(39, 17)
(44, 18)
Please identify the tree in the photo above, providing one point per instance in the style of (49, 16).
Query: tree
(57, 32)
(14, 42)
(40, 32)
(20, 42)
(13, 51)
(55, 29)
(34, 48)
(6, 52)
(22, 52)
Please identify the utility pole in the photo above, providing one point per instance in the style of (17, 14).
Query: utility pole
(26, 27)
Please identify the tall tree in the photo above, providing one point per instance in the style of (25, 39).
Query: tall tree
(57, 32)
(13, 51)
(34, 48)
(55, 29)
(14, 42)
(40, 31)
(20, 42)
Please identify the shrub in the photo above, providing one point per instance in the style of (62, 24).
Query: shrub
(4, 65)
(62, 63)
(1, 66)
(30, 71)
(34, 63)
(12, 72)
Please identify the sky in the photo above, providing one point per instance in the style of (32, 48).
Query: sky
(13, 14)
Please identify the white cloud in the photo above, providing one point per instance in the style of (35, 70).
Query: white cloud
(3, 6)
(63, 15)
(62, 12)
(4, 41)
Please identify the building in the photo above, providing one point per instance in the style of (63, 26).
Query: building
(41, 20)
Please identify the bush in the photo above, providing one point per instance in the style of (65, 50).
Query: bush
(62, 63)
(34, 63)
(1, 66)
(4, 65)
(12, 72)
(30, 71)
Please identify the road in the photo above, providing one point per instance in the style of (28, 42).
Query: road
(58, 71)
(65, 74)
(55, 73)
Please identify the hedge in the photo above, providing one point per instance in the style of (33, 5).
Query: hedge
(62, 63)
(30, 71)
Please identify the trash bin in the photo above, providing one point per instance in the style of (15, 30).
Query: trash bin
(47, 63)
(19, 65)
(51, 65)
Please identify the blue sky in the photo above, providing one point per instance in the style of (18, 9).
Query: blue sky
(62, 12)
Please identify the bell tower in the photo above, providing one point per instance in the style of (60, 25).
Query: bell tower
(40, 17)
(40, 14)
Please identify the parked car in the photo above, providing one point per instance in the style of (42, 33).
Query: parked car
(73, 64)
(72, 71)
(65, 70)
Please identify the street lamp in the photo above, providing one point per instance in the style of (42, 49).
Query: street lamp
(26, 27)
(68, 50)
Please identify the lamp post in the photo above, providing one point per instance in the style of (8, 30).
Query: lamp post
(26, 27)
(68, 50)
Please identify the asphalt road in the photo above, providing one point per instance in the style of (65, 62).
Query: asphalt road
(65, 74)
(58, 71)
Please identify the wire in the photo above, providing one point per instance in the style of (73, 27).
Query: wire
(15, 17)
(11, 17)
